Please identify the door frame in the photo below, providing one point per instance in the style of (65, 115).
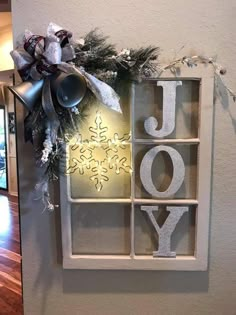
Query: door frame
(6, 146)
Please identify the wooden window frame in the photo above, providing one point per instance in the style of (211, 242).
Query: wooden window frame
(199, 261)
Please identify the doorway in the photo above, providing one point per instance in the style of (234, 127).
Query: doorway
(3, 150)
(10, 241)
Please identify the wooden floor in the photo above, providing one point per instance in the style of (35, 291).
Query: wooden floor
(10, 259)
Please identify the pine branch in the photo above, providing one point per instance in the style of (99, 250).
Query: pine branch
(96, 53)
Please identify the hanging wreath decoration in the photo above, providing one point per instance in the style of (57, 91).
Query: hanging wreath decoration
(61, 77)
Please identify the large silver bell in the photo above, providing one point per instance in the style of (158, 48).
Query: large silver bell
(69, 89)
(28, 92)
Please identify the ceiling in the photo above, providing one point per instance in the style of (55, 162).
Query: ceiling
(5, 5)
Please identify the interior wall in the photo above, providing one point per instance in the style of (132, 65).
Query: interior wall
(204, 27)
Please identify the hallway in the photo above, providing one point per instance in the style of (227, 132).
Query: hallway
(10, 259)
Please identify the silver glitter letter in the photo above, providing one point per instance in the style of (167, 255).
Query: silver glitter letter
(146, 171)
(165, 232)
(169, 100)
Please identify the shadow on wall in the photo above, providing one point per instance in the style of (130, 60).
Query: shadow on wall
(85, 281)
(222, 94)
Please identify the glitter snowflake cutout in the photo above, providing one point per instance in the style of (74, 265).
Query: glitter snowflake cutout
(99, 154)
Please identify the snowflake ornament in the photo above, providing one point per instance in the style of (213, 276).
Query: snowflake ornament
(99, 154)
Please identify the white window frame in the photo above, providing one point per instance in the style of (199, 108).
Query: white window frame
(199, 261)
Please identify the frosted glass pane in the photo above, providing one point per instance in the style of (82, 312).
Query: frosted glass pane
(148, 102)
(162, 171)
(146, 238)
(100, 229)
(100, 160)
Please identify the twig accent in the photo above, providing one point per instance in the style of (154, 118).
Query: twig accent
(192, 61)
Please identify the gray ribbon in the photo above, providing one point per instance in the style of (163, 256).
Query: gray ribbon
(49, 110)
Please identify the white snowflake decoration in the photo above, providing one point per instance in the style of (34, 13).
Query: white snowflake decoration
(99, 154)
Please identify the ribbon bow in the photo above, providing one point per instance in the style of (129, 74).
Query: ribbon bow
(38, 57)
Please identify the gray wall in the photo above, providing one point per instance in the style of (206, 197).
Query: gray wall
(204, 26)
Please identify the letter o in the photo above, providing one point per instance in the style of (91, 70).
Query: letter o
(146, 171)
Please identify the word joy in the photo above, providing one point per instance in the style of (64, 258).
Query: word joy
(175, 212)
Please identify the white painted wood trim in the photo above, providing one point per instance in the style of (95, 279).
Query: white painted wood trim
(187, 263)
(167, 201)
(132, 178)
(204, 170)
(167, 141)
(102, 200)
